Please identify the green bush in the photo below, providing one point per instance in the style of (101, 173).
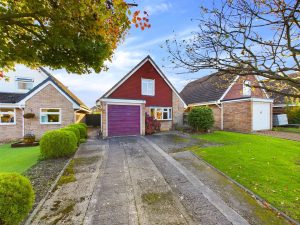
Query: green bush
(58, 143)
(293, 114)
(76, 132)
(83, 124)
(16, 198)
(82, 129)
(201, 118)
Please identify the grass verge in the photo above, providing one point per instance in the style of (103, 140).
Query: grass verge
(18, 159)
(268, 166)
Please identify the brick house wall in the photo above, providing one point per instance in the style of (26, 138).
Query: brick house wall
(237, 116)
(48, 97)
(12, 132)
(236, 90)
(217, 116)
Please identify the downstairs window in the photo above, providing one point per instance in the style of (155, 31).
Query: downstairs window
(50, 116)
(161, 113)
(7, 116)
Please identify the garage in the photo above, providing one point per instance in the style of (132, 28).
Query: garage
(247, 114)
(123, 120)
(261, 116)
(122, 117)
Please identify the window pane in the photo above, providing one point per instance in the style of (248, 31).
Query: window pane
(159, 114)
(44, 119)
(7, 118)
(7, 110)
(165, 116)
(144, 87)
(50, 110)
(170, 113)
(152, 111)
(53, 118)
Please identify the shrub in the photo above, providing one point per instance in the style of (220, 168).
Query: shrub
(151, 125)
(82, 129)
(75, 131)
(16, 198)
(293, 114)
(201, 118)
(83, 124)
(58, 143)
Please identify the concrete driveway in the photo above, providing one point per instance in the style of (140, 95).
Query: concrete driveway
(140, 180)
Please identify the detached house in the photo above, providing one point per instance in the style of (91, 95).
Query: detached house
(51, 104)
(145, 89)
(236, 106)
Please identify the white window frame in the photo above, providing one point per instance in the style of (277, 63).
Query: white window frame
(170, 114)
(10, 113)
(146, 92)
(247, 88)
(50, 113)
(24, 80)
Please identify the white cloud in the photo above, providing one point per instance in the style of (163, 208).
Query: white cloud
(158, 8)
(90, 87)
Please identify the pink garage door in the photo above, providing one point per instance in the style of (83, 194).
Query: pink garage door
(123, 120)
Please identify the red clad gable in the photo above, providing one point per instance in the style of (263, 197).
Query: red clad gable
(131, 88)
(236, 91)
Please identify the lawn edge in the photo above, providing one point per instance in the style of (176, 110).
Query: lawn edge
(251, 193)
(41, 203)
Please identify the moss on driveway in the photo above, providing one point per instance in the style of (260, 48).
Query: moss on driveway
(268, 166)
(18, 159)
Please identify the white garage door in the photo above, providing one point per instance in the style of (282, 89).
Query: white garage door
(261, 116)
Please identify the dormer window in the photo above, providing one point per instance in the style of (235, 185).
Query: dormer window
(24, 83)
(247, 88)
(148, 87)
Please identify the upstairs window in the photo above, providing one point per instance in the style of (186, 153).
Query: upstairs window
(50, 116)
(247, 88)
(7, 116)
(24, 83)
(148, 87)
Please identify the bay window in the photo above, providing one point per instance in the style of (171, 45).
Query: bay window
(50, 116)
(161, 113)
(7, 116)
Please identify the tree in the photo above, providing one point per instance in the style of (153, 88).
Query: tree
(246, 37)
(76, 35)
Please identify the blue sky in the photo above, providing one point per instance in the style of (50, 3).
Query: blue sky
(167, 18)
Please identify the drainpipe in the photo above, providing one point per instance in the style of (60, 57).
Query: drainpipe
(23, 121)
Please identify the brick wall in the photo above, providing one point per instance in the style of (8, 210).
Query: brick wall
(236, 90)
(12, 132)
(217, 116)
(238, 116)
(48, 97)
(178, 110)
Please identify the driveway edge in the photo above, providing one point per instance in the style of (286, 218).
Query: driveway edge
(41, 203)
(252, 194)
(211, 196)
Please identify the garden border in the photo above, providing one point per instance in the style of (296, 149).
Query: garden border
(41, 203)
(252, 194)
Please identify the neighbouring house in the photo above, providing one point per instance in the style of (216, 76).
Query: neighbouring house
(281, 101)
(236, 106)
(145, 89)
(51, 104)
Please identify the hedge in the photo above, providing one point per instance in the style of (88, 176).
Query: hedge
(201, 118)
(58, 143)
(75, 130)
(82, 129)
(16, 198)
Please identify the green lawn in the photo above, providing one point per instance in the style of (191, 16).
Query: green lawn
(268, 166)
(17, 159)
(287, 129)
